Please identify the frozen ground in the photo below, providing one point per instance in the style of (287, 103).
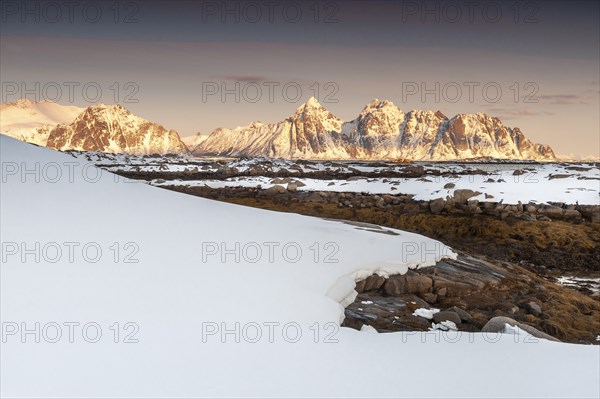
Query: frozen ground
(168, 263)
(534, 186)
(508, 182)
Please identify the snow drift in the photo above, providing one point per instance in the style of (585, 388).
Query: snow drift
(155, 278)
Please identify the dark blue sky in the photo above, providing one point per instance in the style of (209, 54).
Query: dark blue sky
(344, 52)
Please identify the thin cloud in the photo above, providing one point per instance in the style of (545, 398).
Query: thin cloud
(244, 78)
(516, 113)
(562, 99)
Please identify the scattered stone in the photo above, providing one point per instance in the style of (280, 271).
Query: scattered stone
(533, 308)
(571, 214)
(449, 185)
(437, 205)
(461, 196)
(279, 180)
(553, 212)
(276, 189)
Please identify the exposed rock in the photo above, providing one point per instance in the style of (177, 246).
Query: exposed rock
(409, 283)
(533, 308)
(571, 214)
(551, 211)
(274, 190)
(497, 324)
(461, 196)
(282, 180)
(447, 315)
(437, 205)
(411, 322)
(373, 282)
(430, 297)
(463, 314)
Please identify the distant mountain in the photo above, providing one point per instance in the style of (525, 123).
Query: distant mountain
(32, 121)
(112, 128)
(194, 141)
(381, 131)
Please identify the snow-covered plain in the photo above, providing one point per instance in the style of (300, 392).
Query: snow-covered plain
(180, 291)
(569, 183)
(534, 185)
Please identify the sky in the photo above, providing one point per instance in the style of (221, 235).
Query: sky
(193, 66)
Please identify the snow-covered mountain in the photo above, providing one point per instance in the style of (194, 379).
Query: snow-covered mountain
(32, 121)
(381, 131)
(194, 141)
(112, 128)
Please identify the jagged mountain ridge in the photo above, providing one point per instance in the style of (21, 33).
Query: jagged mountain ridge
(381, 131)
(112, 128)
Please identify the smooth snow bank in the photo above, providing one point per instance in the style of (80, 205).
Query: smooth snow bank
(179, 301)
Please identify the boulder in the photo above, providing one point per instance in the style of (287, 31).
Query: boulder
(280, 180)
(461, 196)
(463, 314)
(447, 315)
(430, 297)
(417, 283)
(553, 212)
(276, 189)
(411, 322)
(497, 324)
(373, 282)
(533, 308)
(571, 214)
(453, 288)
(409, 283)
(437, 205)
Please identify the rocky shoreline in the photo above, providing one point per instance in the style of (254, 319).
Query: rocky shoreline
(473, 293)
(460, 203)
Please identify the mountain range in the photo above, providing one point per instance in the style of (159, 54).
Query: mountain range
(381, 131)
